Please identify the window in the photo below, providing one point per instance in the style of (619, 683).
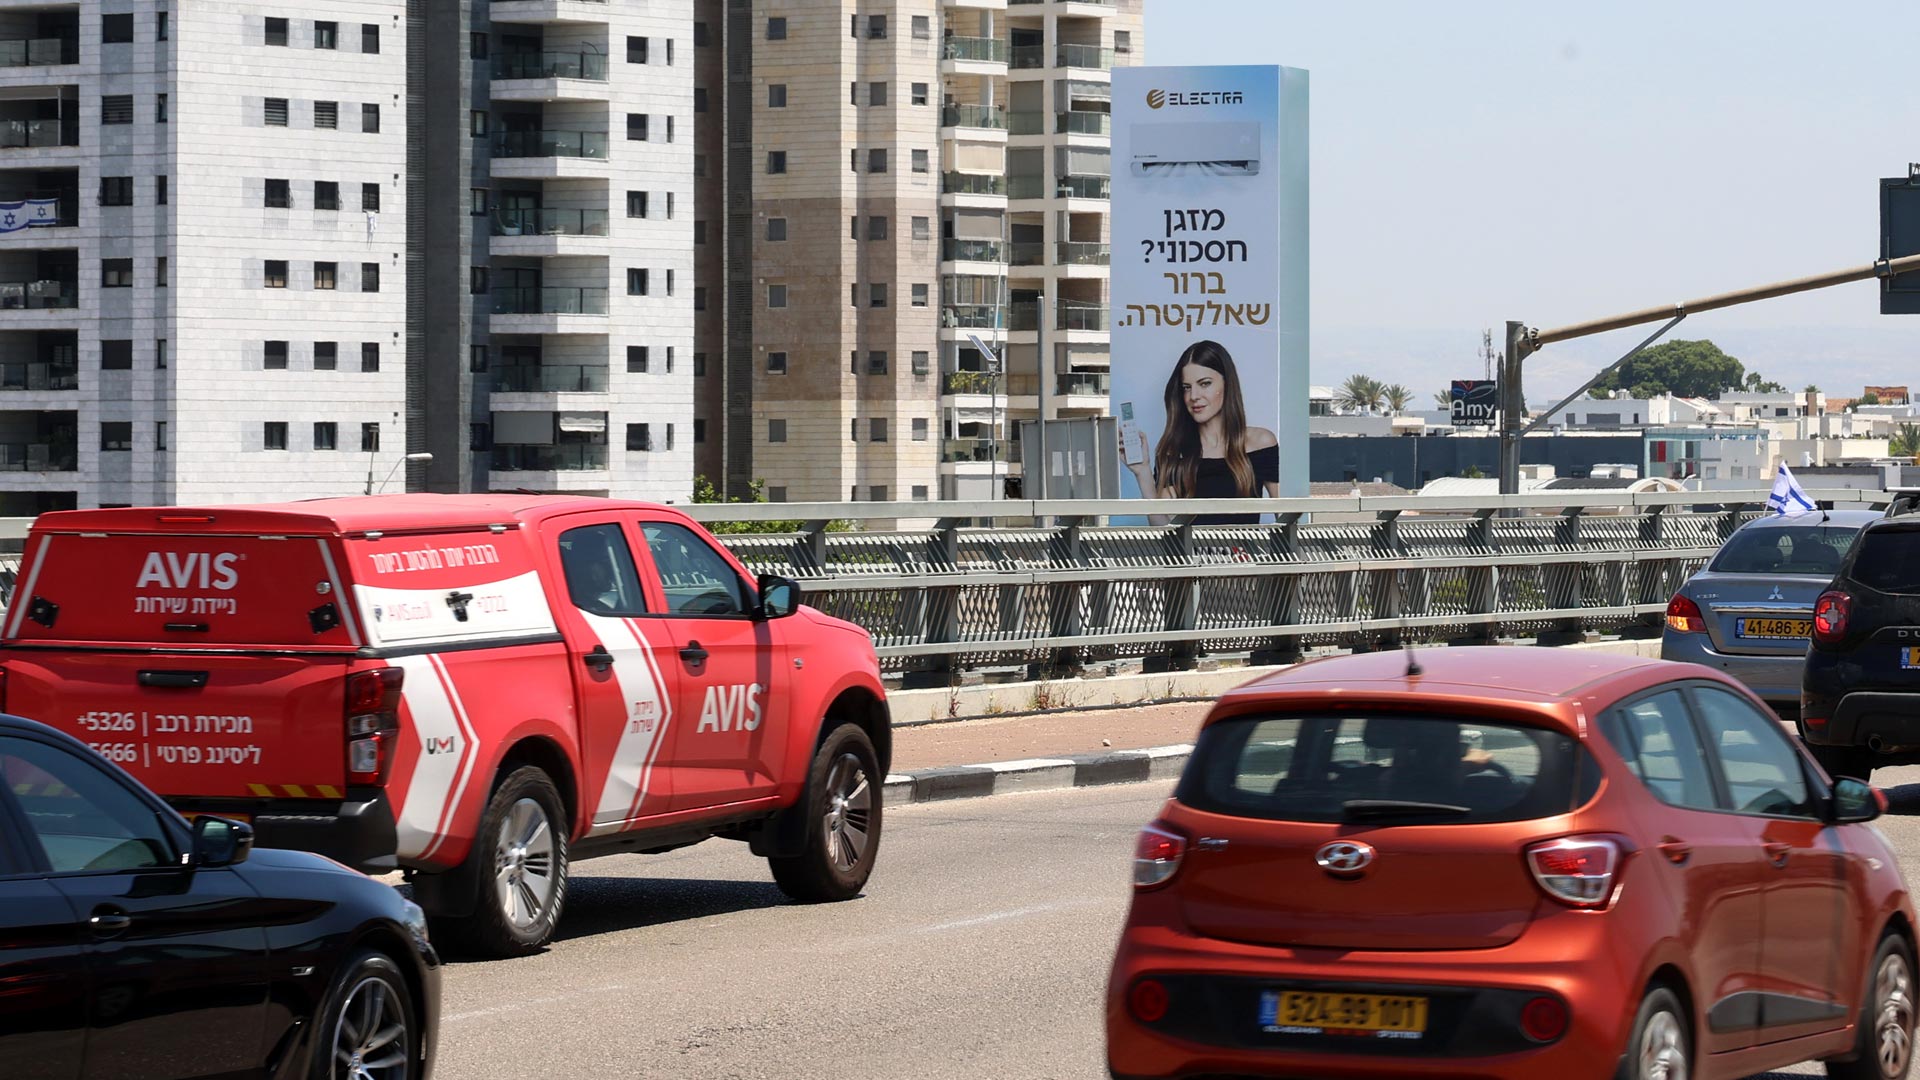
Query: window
(160, 272)
(160, 435)
(370, 118)
(369, 438)
(370, 197)
(699, 298)
(877, 363)
(776, 162)
(877, 228)
(921, 362)
(160, 353)
(699, 365)
(369, 37)
(699, 100)
(370, 277)
(922, 228)
(777, 494)
(877, 93)
(326, 35)
(477, 45)
(116, 273)
(922, 27)
(919, 493)
(669, 359)
(776, 95)
(480, 436)
(160, 190)
(273, 435)
(275, 357)
(477, 201)
(877, 493)
(776, 363)
(669, 436)
(326, 356)
(160, 109)
(876, 27)
(877, 431)
(477, 122)
(636, 127)
(325, 275)
(279, 194)
(919, 91)
(636, 281)
(1762, 769)
(1123, 41)
(777, 29)
(776, 431)
(853, 435)
(116, 191)
(274, 112)
(699, 430)
(669, 52)
(776, 228)
(636, 49)
(920, 294)
(919, 429)
(116, 435)
(116, 355)
(160, 26)
(700, 38)
(1656, 738)
(276, 31)
(477, 358)
(669, 281)
(637, 359)
(81, 811)
(639, 438)
(696, 579)
(699, 232)
(370, 355)
(116, 109)
(326, 195)
(477, 280)
(877, 160)
(877, 294)
(326, 114)
(326, 435)
(599, 570)
(776, 296)
(699, 165)
(920, 161)
(276, 273)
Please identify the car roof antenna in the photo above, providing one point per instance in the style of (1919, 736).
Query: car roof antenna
(1414, 669)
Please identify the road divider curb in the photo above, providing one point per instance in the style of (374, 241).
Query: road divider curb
(1036, 774)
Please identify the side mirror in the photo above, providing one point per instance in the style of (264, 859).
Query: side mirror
(220, 841)
(1856, 800)
(779, 597)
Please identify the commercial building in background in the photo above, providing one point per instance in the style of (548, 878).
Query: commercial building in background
(879, 182)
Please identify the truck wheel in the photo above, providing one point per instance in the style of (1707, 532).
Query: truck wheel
(842, 808)
(1839, 761)
(519, 862)
(366, 1027)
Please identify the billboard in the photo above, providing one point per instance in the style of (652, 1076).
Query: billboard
(1209, 282)
(1474, 401)
(1888, 395)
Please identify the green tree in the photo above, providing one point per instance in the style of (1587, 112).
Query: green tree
(705, 492)
(1472, 472)
(1361, 392)
(1905, 441)
(1810, 389)
(1398, 397)
(1868, 398)
(1687, 368)
(1444, 401)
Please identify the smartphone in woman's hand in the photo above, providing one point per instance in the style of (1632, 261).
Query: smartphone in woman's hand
(1132, 447)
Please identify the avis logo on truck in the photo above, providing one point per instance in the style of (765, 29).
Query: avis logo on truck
(576, 677)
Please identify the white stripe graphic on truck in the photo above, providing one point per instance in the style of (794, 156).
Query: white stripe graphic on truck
(647, 710)
(23, 592)
(444, 749)
(469, 752)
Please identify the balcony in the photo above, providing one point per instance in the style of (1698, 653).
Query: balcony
(1071, 315)
(1084, 187)
(1083, 123)
(536, 221)
(39, 375)
(549, 300)
(16, 134)
(39, 213)
(1027, 187)
(1023, 318)
(1078, 253)
(974, 116)
(955, 451)
(550, 379)
(985, 251)
(1084, 384)
(564, 457)
(1027, 253)
(550, 144)
(557, 12)
(1084, 56)
(39, 52)
(1027, 57)
(969, 316)
(1027, 122)
(591, 67)
(17, 295)
(959, 183)
(968, 382)
(39, 457)
(975, 50)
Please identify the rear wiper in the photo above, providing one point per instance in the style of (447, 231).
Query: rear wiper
(1374, 808)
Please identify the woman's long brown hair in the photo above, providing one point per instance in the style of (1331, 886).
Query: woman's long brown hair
(1176, 460)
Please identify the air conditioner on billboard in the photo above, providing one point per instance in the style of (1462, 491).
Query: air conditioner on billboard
(1204, 148)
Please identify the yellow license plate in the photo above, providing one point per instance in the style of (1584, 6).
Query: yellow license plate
(1910, 657)
(1295, 1011)
(1774, 628)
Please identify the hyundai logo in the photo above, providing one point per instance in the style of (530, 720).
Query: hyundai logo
(1343, 857)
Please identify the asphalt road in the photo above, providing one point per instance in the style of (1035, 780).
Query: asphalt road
(979, 950)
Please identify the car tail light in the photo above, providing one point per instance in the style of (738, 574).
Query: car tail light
(1156, 856)
(373, 722)
(1683, 616)
(1147, 1000)
(1544, 1019)
(1577, 871)
(1830, 616)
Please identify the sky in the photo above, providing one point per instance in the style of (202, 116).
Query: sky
(1475, 162)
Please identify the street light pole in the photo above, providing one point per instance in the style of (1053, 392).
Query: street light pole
(419, 456)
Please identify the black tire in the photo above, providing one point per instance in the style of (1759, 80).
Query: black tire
(1883, 1040)
(842, 795)
(513, 914)
(369, 1008)
(1660, 1031)
(1854, 761)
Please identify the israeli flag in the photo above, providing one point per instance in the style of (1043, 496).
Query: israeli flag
(1787, 499)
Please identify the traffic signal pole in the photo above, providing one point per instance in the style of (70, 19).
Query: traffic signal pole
(1523, 341)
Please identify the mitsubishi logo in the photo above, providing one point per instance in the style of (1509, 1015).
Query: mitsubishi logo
(1775, 594)
(1343, 858)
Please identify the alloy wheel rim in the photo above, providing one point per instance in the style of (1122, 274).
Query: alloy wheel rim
(849, 816)
(523, 863)
(1663, 1052)
(1893, 1021)
(370, 1036)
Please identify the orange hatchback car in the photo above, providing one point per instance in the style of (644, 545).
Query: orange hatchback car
(1496, 862)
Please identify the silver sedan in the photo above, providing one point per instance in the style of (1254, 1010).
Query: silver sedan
(1749, 612)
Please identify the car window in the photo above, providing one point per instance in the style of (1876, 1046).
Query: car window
(1763, 770)
(1656, 737)
(1889, 561)
(1807, 549)
(600, 573)
(83, 817)
(697, 579)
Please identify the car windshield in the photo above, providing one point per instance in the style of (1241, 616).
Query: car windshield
(1889, 561)
(1407, 767)
(1814, 549)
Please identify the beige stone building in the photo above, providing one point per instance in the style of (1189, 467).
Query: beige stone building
(877, 182)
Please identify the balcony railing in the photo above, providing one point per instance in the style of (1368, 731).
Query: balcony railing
(1027, 187)
(1028, 56)
(533, 144)
(1024, 317)
(1085, 383)
(968, 382)
(573, 1)
(1084, 56)
(986, 50)
(1079, 253)
(38, 375)
(551, 379)
(968, 316)
(977, 116)
(1085, 187)
(549, 300)
(39, 294)
(1102, 3)
(1028, 253)
(48, 132)
(533, 221)
(952, 450)
(564, 457)
(1027, 122)
(972, 251)
(39, 52)
(551, 65)
(38, 457)
(1083, 123)
(1075, 316)
(959, 183)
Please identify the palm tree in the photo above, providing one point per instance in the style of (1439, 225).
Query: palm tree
(1444, 401)
(1360, 392)
(1905, 441)
(1398, 397)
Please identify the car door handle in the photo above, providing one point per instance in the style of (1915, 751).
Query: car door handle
(598, 658)
(1676, 850)
(108, 921)
(1777, 852)
(693, 653)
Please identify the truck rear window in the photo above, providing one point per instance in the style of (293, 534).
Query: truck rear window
(1889, 560)
(1390, 767)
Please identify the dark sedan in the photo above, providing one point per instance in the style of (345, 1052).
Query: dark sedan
(136, 944)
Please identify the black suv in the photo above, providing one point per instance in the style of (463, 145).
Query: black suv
(1860, 695)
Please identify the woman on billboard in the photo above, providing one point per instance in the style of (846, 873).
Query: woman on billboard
(1207, 450)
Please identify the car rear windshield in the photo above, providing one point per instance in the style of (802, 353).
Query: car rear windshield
(1397, 767)
(1889, 561)
(1813, 549)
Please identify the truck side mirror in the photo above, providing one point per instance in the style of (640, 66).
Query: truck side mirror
(779, 597)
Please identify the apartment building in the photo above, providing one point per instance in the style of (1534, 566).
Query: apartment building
(882, 182)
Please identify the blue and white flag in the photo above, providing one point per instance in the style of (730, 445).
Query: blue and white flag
(1787, 499)
(29, 213)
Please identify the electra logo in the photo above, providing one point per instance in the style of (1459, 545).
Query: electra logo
(1156, 98)
(1160, 98)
